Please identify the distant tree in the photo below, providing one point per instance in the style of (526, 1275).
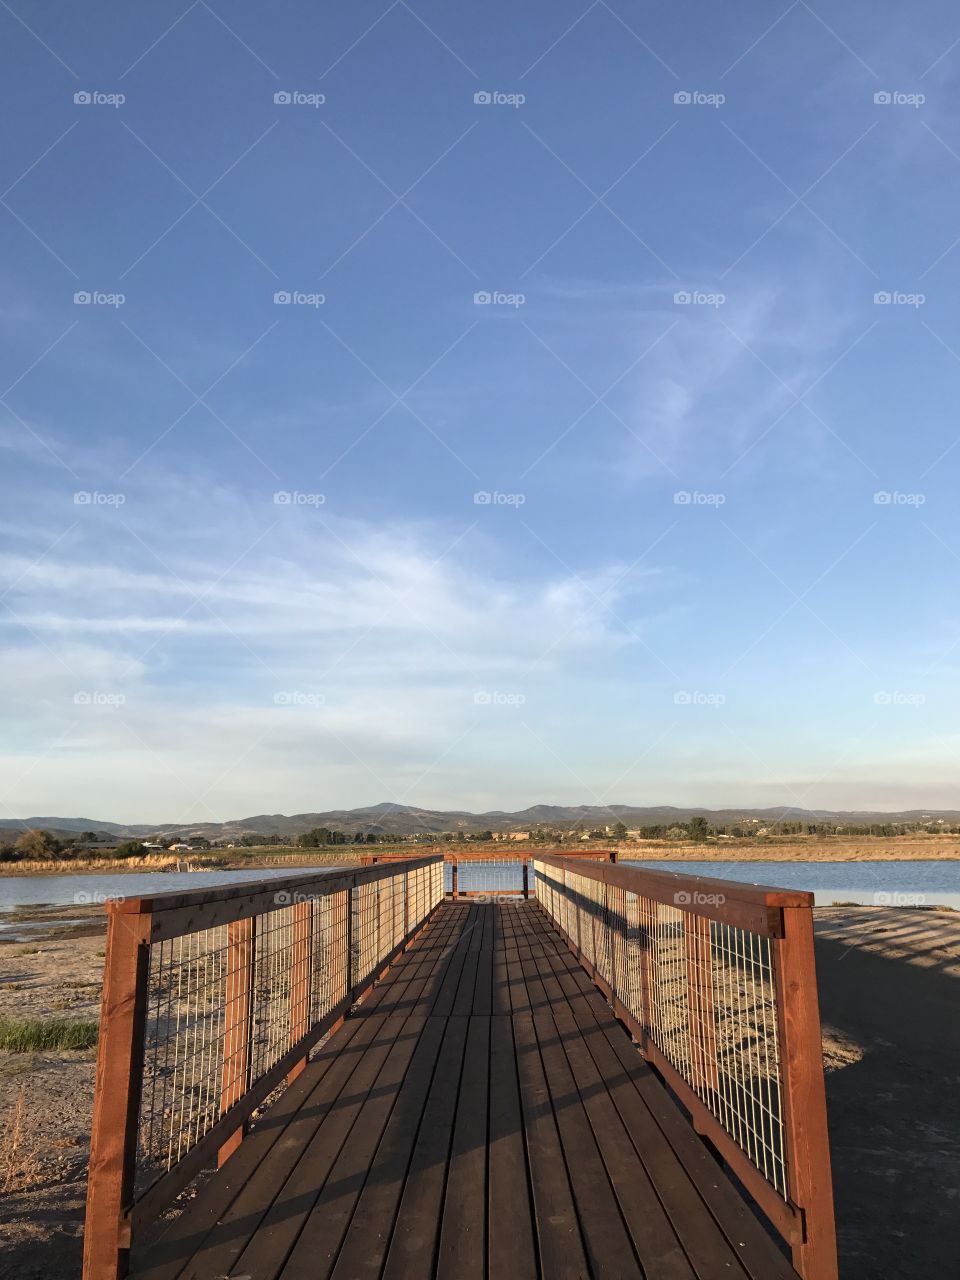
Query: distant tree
(597, 834)
(697, 828)
(358, 838)
(87, 837)
(130, 849)
(620, 831)
(37, 844)
(371, 838)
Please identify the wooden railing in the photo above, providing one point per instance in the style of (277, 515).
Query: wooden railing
(211, 999)
(717, 984)
(500, 871)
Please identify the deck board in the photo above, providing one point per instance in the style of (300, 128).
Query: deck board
(483, 1116)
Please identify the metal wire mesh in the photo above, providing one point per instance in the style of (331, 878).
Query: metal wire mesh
(486, 875)
(224, 1005)
(702, 990)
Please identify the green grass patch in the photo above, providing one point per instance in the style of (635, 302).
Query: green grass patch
(24, 1035)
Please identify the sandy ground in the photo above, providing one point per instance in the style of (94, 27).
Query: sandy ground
(889, 1002)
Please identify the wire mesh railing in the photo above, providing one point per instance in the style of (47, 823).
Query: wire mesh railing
(211, 1001)
(716, 981)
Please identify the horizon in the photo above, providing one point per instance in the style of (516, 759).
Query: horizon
(786, 812)
(391, 403)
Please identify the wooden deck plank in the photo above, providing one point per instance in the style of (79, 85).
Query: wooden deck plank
(511, 1247)
(463, 1227)
(483, 1116)
(414, 1241)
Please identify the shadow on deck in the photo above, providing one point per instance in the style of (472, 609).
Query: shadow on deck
(483, 1114)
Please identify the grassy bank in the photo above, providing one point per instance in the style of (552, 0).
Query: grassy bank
(25, 1035)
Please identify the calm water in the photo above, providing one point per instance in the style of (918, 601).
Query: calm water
(873, 883)
(68, 891)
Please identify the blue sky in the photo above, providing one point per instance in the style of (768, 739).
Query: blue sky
(247, 563)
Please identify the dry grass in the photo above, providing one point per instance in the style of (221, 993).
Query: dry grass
(18, 1165)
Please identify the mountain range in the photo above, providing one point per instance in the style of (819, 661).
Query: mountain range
(398, 819)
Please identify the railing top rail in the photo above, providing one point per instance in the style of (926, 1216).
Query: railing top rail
(332, 879)
(663, 886)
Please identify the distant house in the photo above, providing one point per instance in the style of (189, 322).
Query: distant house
(179, 848)
(519, 835)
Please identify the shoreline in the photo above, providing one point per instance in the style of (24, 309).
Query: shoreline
(843, 850)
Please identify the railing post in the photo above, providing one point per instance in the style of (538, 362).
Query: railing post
(300, 979)
(454, 882)
(804, 1095)
(237, 1019)
(526, 878)
(116, 1112)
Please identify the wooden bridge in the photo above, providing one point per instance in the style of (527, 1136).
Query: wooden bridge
(592, 1071)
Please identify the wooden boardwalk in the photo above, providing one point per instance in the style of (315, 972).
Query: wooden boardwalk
(482, 1115)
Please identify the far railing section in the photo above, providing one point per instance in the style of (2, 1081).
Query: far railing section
(489, 874)
(211, 1000)
(717, 984)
